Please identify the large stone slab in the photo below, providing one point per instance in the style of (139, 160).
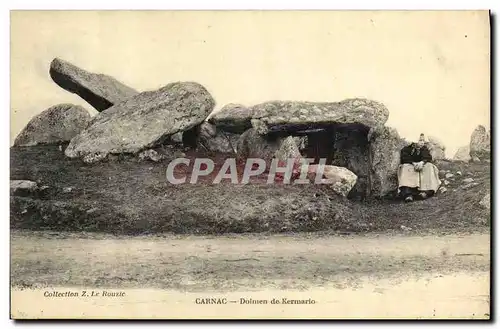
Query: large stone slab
(57, 124)
(253, 145)
(293, 116)
(143, 121)
(99, 90)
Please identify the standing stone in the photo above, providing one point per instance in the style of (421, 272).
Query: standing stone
(480, 143)
(58, 124)
(99, 90)
(385, 153)
(463, 154)
(207, 137)
(288, 150)
(143, 121)
(436, 148)
(486, 201)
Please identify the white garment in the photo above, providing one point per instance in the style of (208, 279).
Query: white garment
(425, 180)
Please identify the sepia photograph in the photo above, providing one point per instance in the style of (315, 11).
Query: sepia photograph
(250, 164)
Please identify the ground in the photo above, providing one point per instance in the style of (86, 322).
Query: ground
(362, 276)
(125, 196)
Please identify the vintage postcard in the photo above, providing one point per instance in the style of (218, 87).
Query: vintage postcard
(250, 164)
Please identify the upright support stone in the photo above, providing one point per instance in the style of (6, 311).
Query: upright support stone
(385, 147)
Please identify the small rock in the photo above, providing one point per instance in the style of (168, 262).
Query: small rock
(446, 182)
(436, 148)
(449, 175)
(442, 189)
(468, 180)
(480, 143)
(22, 185)
(176, 138)
(67, 189)
(405, 228)
(150, 155)
(143, 121)
(442, 172)
(480, 221)
(469, 185)
(276, 115)
(459, 173)
(475, 159)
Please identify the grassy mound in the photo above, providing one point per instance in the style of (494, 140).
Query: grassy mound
(126, 196)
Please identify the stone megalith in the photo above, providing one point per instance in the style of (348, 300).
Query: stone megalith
(207, 137)
(436, 148)
(143, 121)
(57, 124)
(233, 118)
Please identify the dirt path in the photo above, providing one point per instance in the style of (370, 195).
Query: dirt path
(347, 276)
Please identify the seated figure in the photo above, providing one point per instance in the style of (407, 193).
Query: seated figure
(417, 175)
